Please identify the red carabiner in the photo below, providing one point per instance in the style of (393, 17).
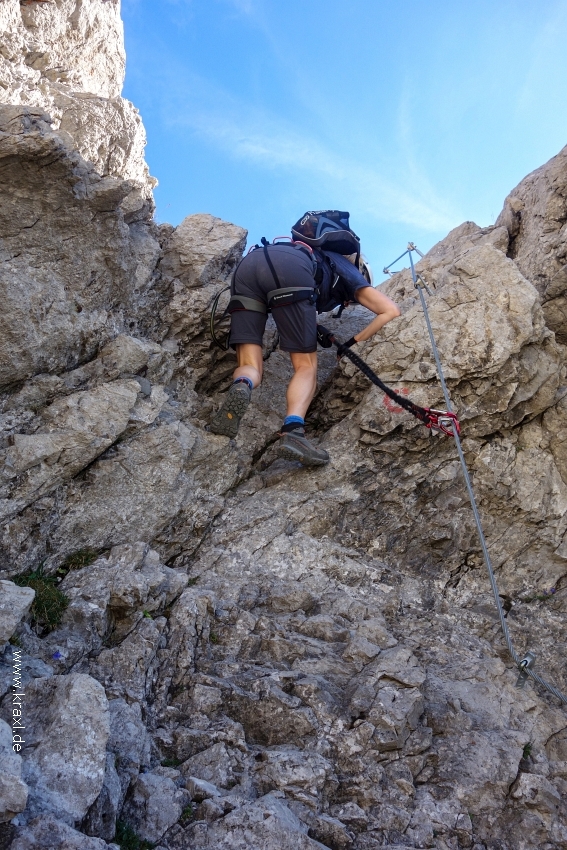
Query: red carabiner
(442, 420)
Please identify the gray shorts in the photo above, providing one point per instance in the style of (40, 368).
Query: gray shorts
(296, 323)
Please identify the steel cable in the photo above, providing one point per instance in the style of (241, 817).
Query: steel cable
(522, 664)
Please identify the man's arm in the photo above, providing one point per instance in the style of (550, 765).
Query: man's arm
(384, 307)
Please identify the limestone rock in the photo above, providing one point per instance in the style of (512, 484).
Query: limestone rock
(48, 833)
(109, 133)
(188, 630)
(202, 250)
(128, 669)
(83, 44)
(534, 214)
(270, 716)
(129, 739)
(108, 598)
(267, 823)
(13, 791)
(27, 667)
(198, 260)
(154, 805)
(66, 719)
(329, 831)
(213, 765)
(293, 772)
(83, 259)
(200, 789)
(69, 60)
(375, 630)
(310, 655)
(487, 320)
(15, 603)
(141, 484)
(101, 818)
(123, 356)
(76, 429)
(73, 381)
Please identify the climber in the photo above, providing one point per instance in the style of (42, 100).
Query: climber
(296, 280)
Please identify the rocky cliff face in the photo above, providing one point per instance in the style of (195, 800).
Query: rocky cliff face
(252, 653)
(66, 58)
(535, 214)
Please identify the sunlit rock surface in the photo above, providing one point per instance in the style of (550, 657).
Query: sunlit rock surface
(253, 653)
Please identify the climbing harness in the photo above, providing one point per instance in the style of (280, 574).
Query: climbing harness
(526, 663)
(282, 296)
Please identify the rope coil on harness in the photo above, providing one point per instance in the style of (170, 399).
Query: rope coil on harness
(525, 664)
(214, 322)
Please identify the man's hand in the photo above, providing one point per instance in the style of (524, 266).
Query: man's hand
(324, 337)
(342, 346)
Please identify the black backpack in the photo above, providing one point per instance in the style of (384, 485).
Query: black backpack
(328, 228)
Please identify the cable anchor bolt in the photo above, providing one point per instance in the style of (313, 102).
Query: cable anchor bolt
(525, 664)
(412, 247)
(443, 420)
(421, 283)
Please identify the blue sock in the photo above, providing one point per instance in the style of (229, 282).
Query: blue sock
(244, 381)
(291, 423)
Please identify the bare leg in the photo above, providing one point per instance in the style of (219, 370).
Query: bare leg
(293, 444)
(250, 362)
(302, 386)
(226, 420)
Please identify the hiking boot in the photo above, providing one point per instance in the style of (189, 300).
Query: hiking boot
(294, 445)
(227, 419)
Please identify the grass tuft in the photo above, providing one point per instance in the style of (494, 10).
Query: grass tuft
(127, 839)
(49, 603)
(171, 762)
(76, 561)
(187, 814)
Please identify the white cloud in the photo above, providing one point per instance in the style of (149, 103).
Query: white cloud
(247, 7)
(261, 138)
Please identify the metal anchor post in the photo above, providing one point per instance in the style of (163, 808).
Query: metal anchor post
(525, 664)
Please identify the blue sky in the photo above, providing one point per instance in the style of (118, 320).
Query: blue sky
(414, 116)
